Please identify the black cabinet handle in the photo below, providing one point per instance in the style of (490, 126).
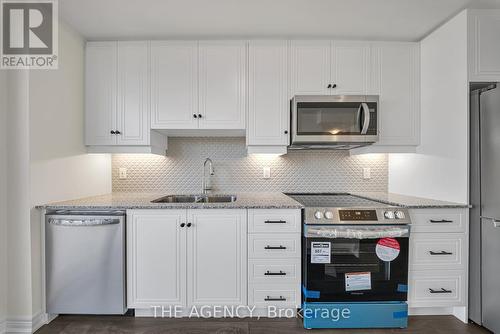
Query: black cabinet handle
(189, 224)
(334, 86)
(440, 253)
(275, 247)
(268, 273)
(442, 290)
(200, 115)
(182, 225)
(118, 132)
(329, 86)
(286, 132)
(194, 115)
(280, 299)
(113, 132)
(442, 221)
(275, 222)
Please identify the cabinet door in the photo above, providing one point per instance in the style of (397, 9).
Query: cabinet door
(217, 258)
(310, 67)
(133, 94)
(397, 72)
(350, 67)
(268, 103)
(174, 84)
(484, 48)
(222, 84)
(156, 258)
(100, 93)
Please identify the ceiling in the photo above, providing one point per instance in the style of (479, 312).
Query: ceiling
(407, 20)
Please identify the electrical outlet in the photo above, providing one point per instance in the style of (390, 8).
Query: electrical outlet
(266, 172)
(367, 173)
(122, 174)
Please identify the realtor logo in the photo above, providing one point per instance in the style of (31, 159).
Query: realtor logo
(29, 34)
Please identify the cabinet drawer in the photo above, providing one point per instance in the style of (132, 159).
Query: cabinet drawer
(438, 220)
(273, 220)
(274, 271)
(436, 289)
(444, 251)
(262, 295)
(273, 246)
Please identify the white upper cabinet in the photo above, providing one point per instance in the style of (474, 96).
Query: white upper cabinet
(484, 45)
(117, 105)
(330, 67)
(100, 93)
(396, 70)
(310, 67)
(350, 68)
(268, 101)
(132, 119)
(222, 84)
(174, 84)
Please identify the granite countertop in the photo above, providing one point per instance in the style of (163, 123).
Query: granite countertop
(122, 201)
(269, 200)
(409, 202)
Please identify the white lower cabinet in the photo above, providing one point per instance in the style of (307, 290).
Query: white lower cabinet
(186, 257)
(438, 272)
(274, 258)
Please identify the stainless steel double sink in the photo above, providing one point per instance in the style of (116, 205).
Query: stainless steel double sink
(196, 199)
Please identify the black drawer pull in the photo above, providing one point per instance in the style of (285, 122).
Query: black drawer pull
(268, 273)
(443, 290)
(275, 247)
(280, 299)
(275, 222)
(440, 253)
(442, 221)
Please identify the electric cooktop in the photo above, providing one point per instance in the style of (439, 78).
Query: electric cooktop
(342, 208)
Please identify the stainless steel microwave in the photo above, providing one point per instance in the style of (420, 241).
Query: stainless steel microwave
(333, 121)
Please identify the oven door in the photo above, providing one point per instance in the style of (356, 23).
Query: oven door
(355, 263)
(334, 119)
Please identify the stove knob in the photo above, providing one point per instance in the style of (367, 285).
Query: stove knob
(318, 214)
(399, 215)
(389, 215)
(329, 215)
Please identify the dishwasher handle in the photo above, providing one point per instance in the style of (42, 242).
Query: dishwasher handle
(84, 222)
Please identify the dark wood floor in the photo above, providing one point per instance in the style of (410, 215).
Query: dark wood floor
(114, 324)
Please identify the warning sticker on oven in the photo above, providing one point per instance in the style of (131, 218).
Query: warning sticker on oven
(358, 281)
(387, 249)
(320, 252)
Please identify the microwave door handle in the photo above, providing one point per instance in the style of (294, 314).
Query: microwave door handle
(366, 114)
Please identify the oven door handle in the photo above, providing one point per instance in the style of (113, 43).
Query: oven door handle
(366, 117)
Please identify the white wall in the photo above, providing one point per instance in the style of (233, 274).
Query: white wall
(3, 200)
(60, 169)
(439, 169)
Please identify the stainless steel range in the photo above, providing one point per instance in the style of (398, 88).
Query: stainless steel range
(333, 209)
(355, 258)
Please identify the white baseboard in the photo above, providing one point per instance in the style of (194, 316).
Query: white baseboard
(459, 312)
(3, 326)
(26, 324)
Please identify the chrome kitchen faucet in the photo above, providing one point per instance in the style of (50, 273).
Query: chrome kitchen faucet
(204, 187)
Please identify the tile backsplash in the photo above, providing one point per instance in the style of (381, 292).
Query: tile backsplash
(298, 171)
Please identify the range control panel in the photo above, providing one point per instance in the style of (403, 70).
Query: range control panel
(361, 215)
(387, 215)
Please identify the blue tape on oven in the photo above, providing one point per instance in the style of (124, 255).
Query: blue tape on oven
(310, 293)
(400, 314)
(402, 288)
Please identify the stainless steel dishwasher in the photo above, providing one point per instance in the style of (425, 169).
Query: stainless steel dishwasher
(85, 262)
